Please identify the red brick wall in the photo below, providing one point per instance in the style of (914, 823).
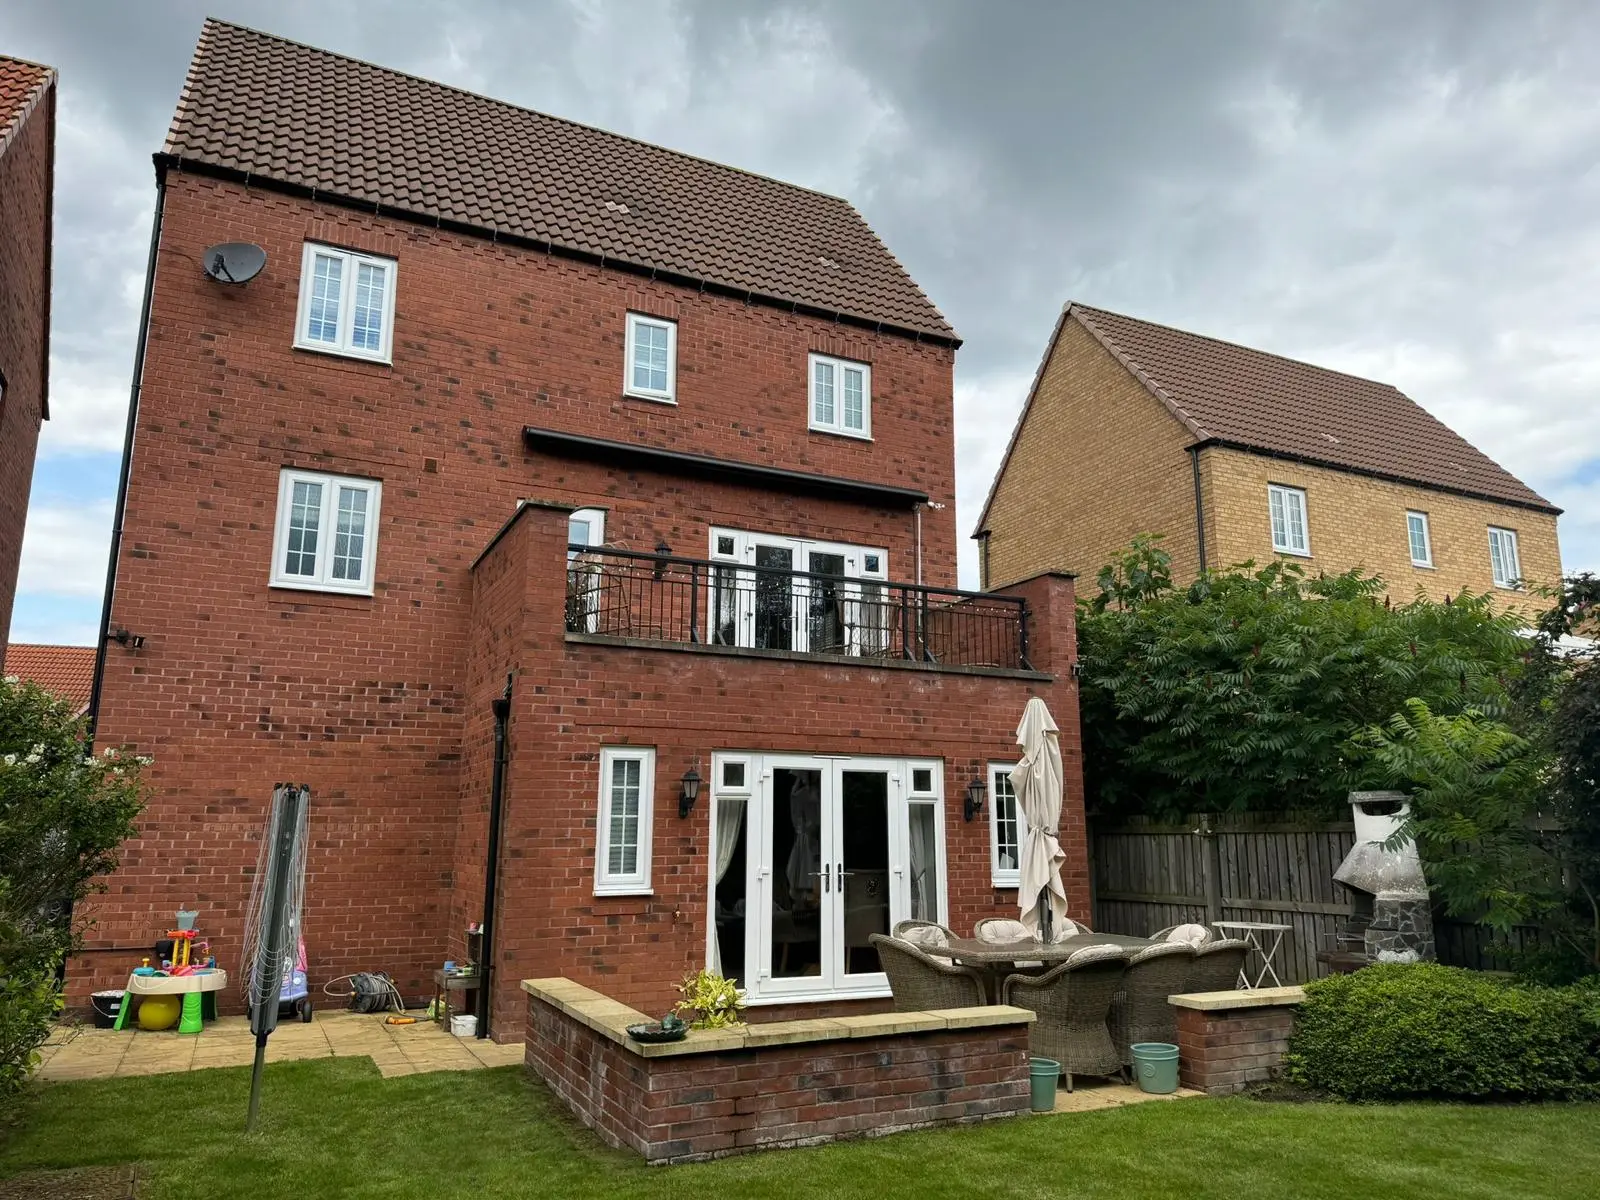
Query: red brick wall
(683, 1108)
(1227, 1050)
(26, 166)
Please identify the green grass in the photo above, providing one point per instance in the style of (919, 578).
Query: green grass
(334, 1128)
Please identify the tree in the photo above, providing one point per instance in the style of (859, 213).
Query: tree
(63, 814)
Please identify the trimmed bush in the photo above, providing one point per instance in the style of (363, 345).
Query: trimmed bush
(1397, 1031)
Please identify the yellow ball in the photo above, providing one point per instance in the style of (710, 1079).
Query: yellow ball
(159, 1012)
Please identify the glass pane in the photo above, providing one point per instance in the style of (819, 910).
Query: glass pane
(578, 531)
(1280, 527)
(622, 845)
(732, 885)
(864, 797)
(733, 775)
(872, 616)
(774, 599)
(649, 357)
(922, 780)
(350, 534)
(322, 315)
(1007, 848)
(854, 407)
(796, 857)
(366, 331)
(1295, 505)
(822, 392)
(824, 606)
(724, 606)
(1419, 538)
(924, 863)
(305, 520)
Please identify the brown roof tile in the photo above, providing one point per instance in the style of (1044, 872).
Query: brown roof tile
(68, 671)
(277, 109)
(21, 85)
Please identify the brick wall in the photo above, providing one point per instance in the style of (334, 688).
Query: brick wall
(699, 1106)
(1098, 461)
(26, 175)
(1358, 522)
(1224, 1050)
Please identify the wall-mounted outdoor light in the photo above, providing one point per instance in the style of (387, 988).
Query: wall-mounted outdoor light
(123, 637)
(974, 801)
(691, 791)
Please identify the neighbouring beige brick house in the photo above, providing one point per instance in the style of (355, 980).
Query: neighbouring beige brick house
(1236, 454)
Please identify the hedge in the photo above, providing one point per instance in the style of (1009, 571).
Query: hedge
(1400, 1031)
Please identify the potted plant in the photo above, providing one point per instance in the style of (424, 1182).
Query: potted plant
(711, 1001)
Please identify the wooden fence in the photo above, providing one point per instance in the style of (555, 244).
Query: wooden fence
(1247, 867)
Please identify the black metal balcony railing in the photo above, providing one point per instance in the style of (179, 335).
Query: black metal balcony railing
(665, 598)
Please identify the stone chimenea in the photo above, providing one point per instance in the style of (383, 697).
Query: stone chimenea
(1391, 918)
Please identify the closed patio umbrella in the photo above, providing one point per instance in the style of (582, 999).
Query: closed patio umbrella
(1041, 895)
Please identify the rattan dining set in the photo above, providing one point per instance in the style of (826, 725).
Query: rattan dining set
(1094, 995)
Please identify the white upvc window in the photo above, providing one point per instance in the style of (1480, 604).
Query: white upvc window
(841, 396)
(326, 538)
(1503, 560)
(1007, 829)
(346, 303)
(650, 366)
(1287, 508)
(627, 802)
(1420, 541)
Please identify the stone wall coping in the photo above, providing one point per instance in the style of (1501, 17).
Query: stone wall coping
(611, 1018)
(1278, 997)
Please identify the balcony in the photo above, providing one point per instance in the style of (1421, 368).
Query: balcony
(765, 611)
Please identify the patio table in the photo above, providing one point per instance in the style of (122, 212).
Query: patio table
(995, 957)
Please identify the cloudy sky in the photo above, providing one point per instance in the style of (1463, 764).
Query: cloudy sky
(1409, 192)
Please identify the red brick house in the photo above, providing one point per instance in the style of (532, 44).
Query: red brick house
(537, 437)
(27, 182)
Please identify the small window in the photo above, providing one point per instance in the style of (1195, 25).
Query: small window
(1006, 828)
(651, 366)
(734, 773)
(1421, 543)
(586, 527)
(627, 800)
(1503, 560)
(346, 303)
(922, 780)
(327, 532)
(841, 396)
(1287, 507)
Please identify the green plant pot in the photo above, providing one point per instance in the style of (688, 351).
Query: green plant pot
(1043, 1074)
(1155, 1065)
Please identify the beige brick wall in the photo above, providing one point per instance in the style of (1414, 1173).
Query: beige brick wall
(1358, 522)
(1098, 461)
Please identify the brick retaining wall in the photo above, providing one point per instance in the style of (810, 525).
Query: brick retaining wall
(774, 1085)
(1229, 1040)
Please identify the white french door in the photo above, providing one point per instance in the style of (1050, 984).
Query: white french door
(764, 607)
(837, 849)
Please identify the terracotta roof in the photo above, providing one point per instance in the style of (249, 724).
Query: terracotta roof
(22, 83)
(273, 109)
(67, 671)
(1230, 394)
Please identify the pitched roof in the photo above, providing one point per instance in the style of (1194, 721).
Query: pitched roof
(68, 671)
(278, 110)
(1232, 395)
(21, 85)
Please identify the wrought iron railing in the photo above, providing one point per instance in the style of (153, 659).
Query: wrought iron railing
(665, 598)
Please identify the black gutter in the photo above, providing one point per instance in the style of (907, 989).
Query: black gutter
(545, 246)
(1199, 507)
(127, 457)
(698, 466)
(501, 707)
(1369, 473)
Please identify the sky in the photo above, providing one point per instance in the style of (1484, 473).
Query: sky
(1407, 192)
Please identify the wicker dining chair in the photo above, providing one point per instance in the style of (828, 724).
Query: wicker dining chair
(1140, 1012)
(1072, 1001)
(1000, 930)
(1216, 966)
(928, 936)
(921, 982)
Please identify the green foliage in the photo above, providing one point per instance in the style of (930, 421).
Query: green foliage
(1242, 690)
(1396, 1031)
(62, 816)
(715, 1000)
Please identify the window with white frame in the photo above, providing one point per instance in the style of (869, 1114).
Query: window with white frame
(1007, 829)
(1287, 507)
(651, 361)
(1503, 561)
(585, 527)
(794, 593)
(841, 396)
(327, 532)
(627, 800)
(1417, 536)
(346, 303)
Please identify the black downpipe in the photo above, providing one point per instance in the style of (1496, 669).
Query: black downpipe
(127, 460)
(1199, 507)
(501, 706)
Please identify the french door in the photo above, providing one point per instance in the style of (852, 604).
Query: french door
(802, 595)
(837, 849)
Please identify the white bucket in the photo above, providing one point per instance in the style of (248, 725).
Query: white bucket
(464, 1026)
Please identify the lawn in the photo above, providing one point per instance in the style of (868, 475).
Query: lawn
(334, 1127)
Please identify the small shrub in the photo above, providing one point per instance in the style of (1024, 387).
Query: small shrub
(715, 1001)
(1394, 1031)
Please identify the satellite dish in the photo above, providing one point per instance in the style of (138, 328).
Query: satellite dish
(235, 262)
